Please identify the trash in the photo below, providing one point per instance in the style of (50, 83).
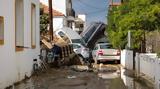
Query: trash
(108, 75)
(48, 44)
(79, 68)
(71, 77)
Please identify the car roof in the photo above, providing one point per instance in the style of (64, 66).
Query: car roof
(103, 43)
(70, 33)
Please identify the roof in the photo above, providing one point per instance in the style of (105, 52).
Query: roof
(54, 12)
(115, 3)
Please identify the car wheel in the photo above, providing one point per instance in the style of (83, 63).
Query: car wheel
(118, 61)
(98, 61)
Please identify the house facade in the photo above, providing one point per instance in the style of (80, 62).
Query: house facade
(114, 3)
(59, 19)
(65, 8)
(19, 39)
(80, 23)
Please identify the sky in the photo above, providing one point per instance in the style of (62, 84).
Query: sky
(95, 10)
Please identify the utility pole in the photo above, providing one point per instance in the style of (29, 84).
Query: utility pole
(111, 2)
(129, 39)
(122, 1)
(143, 43)
(50, 20)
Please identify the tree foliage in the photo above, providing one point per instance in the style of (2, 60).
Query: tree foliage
(138, 16)
(44, 21)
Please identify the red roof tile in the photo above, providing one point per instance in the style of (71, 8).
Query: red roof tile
(55, 12)
(115, 3)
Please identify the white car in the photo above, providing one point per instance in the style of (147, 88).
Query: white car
(104, 52)
(69, 35)
(81, 50)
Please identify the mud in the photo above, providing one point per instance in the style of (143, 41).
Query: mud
(105, 77)
(63, 78)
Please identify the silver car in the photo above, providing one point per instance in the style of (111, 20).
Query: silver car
(104, 52)
(81, 50)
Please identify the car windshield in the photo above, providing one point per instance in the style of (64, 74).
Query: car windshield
(105, 46)
(81, 41)
(75, 46)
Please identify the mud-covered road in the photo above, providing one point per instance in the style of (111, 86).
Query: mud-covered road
(100, 77)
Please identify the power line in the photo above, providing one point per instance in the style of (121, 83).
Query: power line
(97, 16)
(88, 5)
(91, 12)
(81, 9)
(96, 12)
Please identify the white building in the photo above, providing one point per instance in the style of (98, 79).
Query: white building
(19, 39)
(65, 7)
(60, 5)
(65, 16)
(82, 16)
(80, 23)
(59, 19)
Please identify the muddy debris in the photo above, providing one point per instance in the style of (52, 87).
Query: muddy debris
(78, 77)
(71, 77)
(81, 68)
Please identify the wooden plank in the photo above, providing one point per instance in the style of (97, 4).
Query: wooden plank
(49, 45)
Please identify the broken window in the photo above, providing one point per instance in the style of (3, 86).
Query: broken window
(64, 36)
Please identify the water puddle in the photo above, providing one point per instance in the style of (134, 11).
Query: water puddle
(131, 82)
(121, 78)
(108, 72)
(108, 76)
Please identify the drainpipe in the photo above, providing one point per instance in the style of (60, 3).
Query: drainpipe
(122, 1)
(50, 20)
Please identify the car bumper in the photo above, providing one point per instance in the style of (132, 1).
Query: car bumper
(108, 58)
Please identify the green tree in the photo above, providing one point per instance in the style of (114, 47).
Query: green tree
(138, 16)
(44, 21)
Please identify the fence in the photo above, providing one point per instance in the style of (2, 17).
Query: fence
(148, 65)
(127, 59)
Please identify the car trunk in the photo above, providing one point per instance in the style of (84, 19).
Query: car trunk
(110, 52)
